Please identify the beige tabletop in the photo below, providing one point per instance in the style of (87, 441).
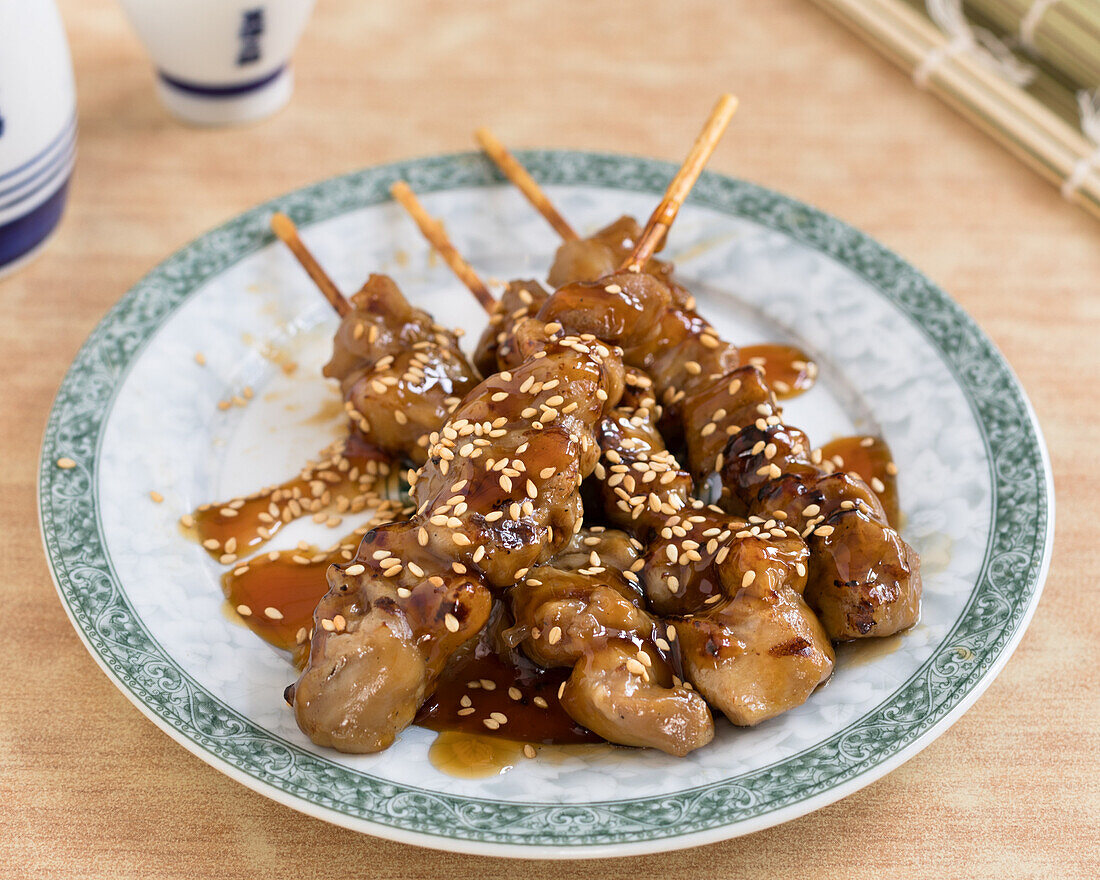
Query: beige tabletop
(90, 788)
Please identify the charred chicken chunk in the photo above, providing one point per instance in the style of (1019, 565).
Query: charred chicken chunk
(381, 635)
(521, 299)
(747, 640)
(611, 691)
(400, 372)
(622, 685)
(600, 254)
(499, 490)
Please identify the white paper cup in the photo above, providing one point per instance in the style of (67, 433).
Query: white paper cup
(220, 62)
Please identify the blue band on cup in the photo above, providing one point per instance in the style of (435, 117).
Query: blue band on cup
(43, 176)
(22, 235)
(206, 91)
(70, 126)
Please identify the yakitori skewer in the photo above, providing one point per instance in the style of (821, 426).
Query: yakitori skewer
(433, 231)
(661, 219)
(287, 232)
(526, 184)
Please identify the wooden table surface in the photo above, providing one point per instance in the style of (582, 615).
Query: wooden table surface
(89, 788)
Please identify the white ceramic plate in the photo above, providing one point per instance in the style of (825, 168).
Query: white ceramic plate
(898, 358)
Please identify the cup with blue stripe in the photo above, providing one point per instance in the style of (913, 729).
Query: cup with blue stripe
(221, 62)
(37, 128)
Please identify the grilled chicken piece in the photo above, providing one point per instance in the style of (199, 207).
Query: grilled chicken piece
(622, 685)
(401, 373)
(656, 326)
(497, 495)
(520, 299)
(747, 640)
(599, 546)
(613, 693)
(381, 636)
(758, 654)
(588, 259)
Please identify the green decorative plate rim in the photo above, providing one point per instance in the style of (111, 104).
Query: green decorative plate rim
(998, 610)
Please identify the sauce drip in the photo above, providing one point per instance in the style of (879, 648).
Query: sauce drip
(860, 652)
(788, 370)
(343, 480)
(275, 595)
(869, 458)
(472, 755)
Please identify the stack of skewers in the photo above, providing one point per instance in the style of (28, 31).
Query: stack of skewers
(611, 532)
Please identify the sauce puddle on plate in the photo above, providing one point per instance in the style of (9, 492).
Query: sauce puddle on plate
(788, 370)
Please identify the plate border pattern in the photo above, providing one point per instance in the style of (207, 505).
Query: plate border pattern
(962, 664)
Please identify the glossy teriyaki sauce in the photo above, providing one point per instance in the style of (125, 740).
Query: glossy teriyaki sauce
(342, 481)
(871, 460)
(487, 688)
(788, 370)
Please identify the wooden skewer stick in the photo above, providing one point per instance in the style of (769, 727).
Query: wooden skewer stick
(284, 228)
(661, 219)
(437, 238)
(517, 174)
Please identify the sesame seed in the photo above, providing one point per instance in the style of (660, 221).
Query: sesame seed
(451, 622)
(878, 485)
(467, 711)
(514, 692)
(491, 723)
(244, 610)
(824, 531)
(487, 684)
(273, 613)
(748, 578)
(327, 625)
(499, 717)
(634, 666)
(554, 636)
(66, 463)
(529, 750)
(540, 702)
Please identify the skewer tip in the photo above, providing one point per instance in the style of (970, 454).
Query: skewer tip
(283, 226)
